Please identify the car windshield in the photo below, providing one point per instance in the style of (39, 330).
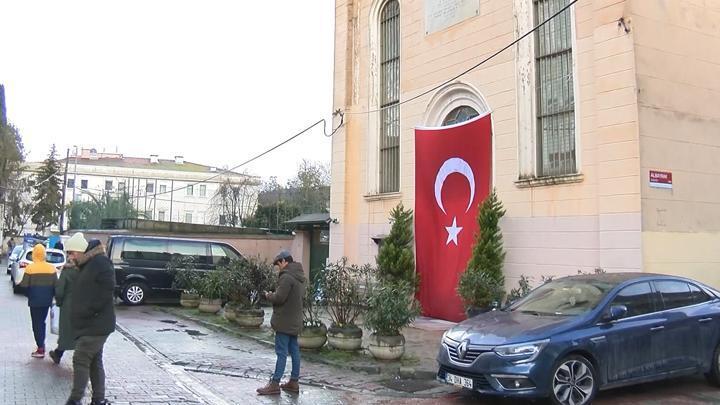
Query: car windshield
(565, 297)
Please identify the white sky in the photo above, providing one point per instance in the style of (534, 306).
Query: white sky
(217, 81)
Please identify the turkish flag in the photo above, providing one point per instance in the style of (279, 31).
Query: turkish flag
(452, 177)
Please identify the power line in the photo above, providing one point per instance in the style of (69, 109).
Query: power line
(254, 158)
(466, 71)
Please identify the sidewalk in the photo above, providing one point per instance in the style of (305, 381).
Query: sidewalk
(422, 342)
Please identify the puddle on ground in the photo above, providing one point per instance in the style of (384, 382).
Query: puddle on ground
(193, 332)
(167, 330)
(409, 386)
(168, 321)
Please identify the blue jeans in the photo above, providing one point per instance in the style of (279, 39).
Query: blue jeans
(39, 317)
(284, 344)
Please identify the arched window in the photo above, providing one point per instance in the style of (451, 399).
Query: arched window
(390, 97)
(460, 114)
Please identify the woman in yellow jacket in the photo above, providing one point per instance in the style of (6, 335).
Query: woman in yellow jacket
(39, 283)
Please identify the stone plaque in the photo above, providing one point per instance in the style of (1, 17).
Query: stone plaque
(440, 14)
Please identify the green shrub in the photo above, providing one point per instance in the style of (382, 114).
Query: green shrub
(391, 306)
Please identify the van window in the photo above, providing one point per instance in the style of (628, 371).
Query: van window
(145, 249)
(221, 254)
(188, 248)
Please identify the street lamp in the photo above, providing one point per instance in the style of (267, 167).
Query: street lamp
(75, 171)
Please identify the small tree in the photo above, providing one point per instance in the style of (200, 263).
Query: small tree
(340, 285)
(396, 260)
(46, 211)
(184, 271)
(391, 307)
(311, 307)
(481, 283)
(246, 279)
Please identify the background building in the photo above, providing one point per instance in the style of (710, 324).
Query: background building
(590, 115)
(159, 189)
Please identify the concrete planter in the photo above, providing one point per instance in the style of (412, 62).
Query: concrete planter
(188, 300)
(313, 337)
(387, 347)
(230, 312)
(347, 339)
(210, 306)
(249, 318)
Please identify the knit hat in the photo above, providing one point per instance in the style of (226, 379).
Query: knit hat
(76, 243)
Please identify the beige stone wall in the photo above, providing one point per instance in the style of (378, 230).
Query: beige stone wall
(678, 75)
(551, 230)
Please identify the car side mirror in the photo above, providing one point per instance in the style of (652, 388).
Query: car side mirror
(616, 312)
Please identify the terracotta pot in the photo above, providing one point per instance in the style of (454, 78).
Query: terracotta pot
(313, 337)
(387, 347)
(210, 306)
(188, 300)
(249, 318)
(347, 339)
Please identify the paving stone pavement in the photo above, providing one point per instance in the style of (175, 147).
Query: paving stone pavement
(131, 376)
(197, 348)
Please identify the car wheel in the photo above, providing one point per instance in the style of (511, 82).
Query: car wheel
(134, 293)
(573, 381)
(713, 376)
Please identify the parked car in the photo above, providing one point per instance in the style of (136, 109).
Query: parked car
(53, 256)
(12, 258)
(574, 336)
(141, 263)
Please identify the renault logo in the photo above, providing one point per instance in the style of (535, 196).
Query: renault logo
(462, 349)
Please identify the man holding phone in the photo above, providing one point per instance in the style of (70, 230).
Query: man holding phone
(287, 322)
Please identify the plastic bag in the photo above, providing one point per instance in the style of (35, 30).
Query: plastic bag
(55, 320)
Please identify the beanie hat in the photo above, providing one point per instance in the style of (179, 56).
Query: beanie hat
(76, 243)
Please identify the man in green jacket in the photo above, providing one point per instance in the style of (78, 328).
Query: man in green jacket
(63, 299)
(287, 321)
(92, 316)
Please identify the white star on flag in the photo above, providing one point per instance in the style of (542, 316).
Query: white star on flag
(453, 232)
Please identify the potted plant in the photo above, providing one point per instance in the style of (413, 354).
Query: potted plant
(391, 307)
(481, 286)
(341, 291)
(314, 332)
(246, 281)
(213, 289)
(396, 258)
(185, 279)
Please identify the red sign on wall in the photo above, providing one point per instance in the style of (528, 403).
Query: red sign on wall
(660, 179)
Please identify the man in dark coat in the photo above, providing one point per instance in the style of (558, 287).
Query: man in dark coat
(287, 321)
(92, 316)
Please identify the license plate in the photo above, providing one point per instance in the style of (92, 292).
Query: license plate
(458, 381)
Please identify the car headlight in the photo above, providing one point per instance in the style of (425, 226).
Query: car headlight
(523, 352)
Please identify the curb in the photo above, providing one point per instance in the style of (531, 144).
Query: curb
(399, 370)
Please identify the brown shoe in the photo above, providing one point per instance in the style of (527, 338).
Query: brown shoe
(291, 386)
(272, 388)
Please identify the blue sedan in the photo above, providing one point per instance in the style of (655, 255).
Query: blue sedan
(574, 336)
